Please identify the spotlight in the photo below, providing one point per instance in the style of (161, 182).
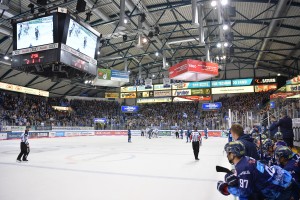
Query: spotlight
(225, 27)
(124, 38)
(144, 40)
(125, 21)
(153, 75)
(6, 57)
(86, 82)
(213, 3)
(31, 6)
(226, 44)
(157, 54)
(278, 74)
(98, 52)
(217, 58)
(219, 45)
(224, 57)
(224, 2)
(88, 16)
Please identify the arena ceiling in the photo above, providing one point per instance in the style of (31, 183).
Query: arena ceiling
(265, 40)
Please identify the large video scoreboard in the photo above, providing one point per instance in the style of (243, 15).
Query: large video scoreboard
(45, 44)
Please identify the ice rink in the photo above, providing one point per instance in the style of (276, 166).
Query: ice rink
(109, 168)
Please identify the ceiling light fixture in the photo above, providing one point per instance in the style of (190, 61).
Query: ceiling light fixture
(213, 3)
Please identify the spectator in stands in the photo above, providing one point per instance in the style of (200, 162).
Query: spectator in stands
(286, 128)
(237, 133)
(273, 128)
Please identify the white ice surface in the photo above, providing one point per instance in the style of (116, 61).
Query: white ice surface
(109, 168)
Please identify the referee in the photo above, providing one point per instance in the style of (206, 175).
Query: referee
(196, 139)
(24, 146)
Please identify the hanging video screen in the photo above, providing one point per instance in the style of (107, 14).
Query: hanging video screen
(81, 39)
(35, 32)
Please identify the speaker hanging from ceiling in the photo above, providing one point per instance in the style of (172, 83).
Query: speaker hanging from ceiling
(80, 7)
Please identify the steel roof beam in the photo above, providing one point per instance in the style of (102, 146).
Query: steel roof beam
(31, 81)
(5, 74)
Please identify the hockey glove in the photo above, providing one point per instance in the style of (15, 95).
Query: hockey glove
(231, 179)
(223, 188)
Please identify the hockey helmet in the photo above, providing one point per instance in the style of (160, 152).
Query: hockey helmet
(267, 143)
(236, 147)
(278, 136)
(283, 151)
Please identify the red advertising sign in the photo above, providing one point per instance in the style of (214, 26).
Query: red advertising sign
(112, 132)
(192, 98)
(193, 70)
(265, 88)
(212, 133)
(281, 95)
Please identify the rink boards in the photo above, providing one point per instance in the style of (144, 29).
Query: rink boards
(16, 134)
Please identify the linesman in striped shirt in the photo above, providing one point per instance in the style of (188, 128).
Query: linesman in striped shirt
(196, 140)
(24, 146)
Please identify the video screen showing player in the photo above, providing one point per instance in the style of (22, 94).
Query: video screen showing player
(81, 39)
(35, 32)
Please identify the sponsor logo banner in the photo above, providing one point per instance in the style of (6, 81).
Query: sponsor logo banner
(36, 49)
(87, 133)
(113, 132)
(130, 109)
(293, 88)
(242, 82)
(232, 90)
(167, 83)
(43, 128)
(5, 128)
(111, 95)
(59, 134)
(99, 120)
(192, 85)
(192, 98)
(265, 80)
(221, 83)
(128, 89)
(200, 91)
(104, 74)
(265, 88)
(197, 66)
(272, 104)
(38, 134)
(186, 92)
(145, 94)
(161, 87)
(18, 128)
(51, 134)
(212, 133)
(14, 135)
(72, 128)
(155, 100)
(17, 88)
(162, 93)
(211, 106)
(119, 75)
(3, 135)
(78, 54)
(72, 133)
(144, 88)
(128, 95)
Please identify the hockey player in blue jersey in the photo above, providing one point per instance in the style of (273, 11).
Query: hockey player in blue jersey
(268, 156)
(252, 179)
(284, 157)
(279, 140)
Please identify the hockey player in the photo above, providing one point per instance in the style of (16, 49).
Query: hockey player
(206, 132)
(284, 157)
(268, 157)
(37, 32)
(24, 146)
(279, 140)
(84, 42)
(252, 179)
(129, 135)
(196, 140)
(188, 135)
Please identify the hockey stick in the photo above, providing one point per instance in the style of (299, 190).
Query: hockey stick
(222, 169)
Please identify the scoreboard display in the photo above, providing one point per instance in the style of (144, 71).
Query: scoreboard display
(44, 42)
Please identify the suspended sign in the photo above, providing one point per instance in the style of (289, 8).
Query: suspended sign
(232, 90)
(111, 95)
(130, 109)
(128, 95)
(265, 80)
(211, 106)
(186, 92)
(162, 93)
(221, 83)
(145, 94)
(155, 100)
(166, 83)
(200, 91)
(242, 82)
(193, 70)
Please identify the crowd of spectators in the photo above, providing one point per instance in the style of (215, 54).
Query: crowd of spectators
(20, 109)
